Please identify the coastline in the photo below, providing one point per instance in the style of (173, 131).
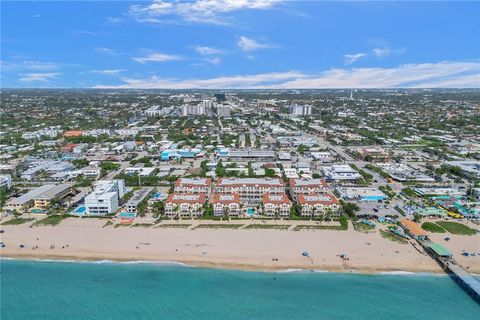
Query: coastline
(226, 266)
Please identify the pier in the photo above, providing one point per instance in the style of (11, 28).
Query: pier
(468, 282)
(465, 279)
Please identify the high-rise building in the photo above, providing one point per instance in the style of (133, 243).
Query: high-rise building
(223, 111)
(303, 110)
(189, 110)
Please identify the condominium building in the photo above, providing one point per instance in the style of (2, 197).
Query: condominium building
(314, 205)
(136, 199)
(153, 111)
(250, 190)
(189, 110)
(40, 197)
(225, 204)
(5, 181)
(184, 205)
(58, 192)
(306, 186)
(276, 205)
(105, 198)
(303, 110)
(193, 185)
(223, 110)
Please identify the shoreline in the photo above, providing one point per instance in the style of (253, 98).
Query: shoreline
(225, 266)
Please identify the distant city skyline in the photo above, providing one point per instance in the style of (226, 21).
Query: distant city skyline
(269, 44)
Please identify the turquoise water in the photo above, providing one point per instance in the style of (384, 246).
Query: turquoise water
(62, 290)
(38, 211)
(126, 215)
(372, 198)
(80, 210)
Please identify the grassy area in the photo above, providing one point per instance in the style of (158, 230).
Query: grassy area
(303, 227)
(16, 221)
(174, 225)
(117, 225)
(456, 228)
(52, 220)
(108, 223)
(143, 225)
(268, 226)
(393, 237)
(432, 227)
(218, 226)
(362, 227)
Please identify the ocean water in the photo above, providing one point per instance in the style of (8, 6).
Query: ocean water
(71, 290)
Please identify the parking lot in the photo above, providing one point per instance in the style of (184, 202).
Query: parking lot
(374, 208)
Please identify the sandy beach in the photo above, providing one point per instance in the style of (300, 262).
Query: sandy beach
(86, 239)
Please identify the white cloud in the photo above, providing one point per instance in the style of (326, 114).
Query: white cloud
(249, 44)
(352, 58)
(199, 11)
(385, 51)
(157, 57)
(214, 61)
(427, 75)
(42, 77)
(381, 52)
(114, 20)
(28, 65)
(86, 32)
(107, 71)
(236, 81)
(206, 51)
(105, 50)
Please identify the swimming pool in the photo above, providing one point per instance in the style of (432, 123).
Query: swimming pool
(250, 211)
(158, 196)
(38, 211)
(80, 210)
(372, 198)
(127, 215)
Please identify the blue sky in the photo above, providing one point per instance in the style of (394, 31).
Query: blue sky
(240, 44)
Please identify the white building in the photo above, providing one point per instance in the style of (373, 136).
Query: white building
(306, 186)
(193, 185)
(189, 110)
(136, 199)
(225, 204)
(223, 111)
(276, 205)
(5, 181)
(153, 111)
(184, 205)
(341, 172)
(304, 110)
(105, 198)
(313, 205)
